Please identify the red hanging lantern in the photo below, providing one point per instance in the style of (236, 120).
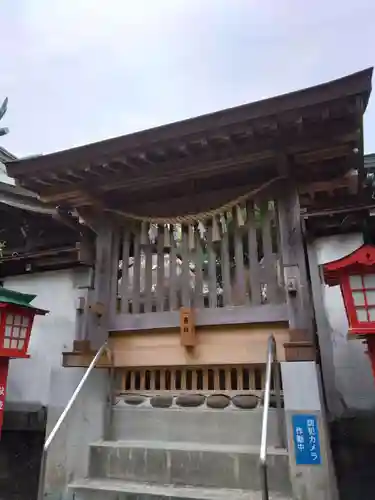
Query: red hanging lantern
(16, 322)
(355, 273)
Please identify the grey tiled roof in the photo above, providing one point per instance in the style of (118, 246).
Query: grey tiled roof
(369, 162)
(6, 155)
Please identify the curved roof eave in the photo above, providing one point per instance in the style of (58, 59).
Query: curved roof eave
(352, 85)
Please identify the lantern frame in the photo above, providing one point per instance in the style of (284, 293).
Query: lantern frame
(355, 273)
(19, 330)
(16, 323)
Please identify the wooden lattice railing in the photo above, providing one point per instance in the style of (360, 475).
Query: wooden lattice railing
(235, 263)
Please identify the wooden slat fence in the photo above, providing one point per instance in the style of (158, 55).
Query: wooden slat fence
(235, 262)
(206, 379)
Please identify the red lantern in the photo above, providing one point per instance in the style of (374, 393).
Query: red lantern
(16, 321)
(355, 273)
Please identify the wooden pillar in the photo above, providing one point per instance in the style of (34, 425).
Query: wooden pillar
(295, 274)
(102, 300)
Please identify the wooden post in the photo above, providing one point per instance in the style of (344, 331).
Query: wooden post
(253, 256)
(124, 291)
(212, 285)
(160, 272)
(198, 259)
(269, 261)
(186, 291)
(293, 258)
(172, 273)
(100, 305)
(295, 275)
(240, 284)
(136, 292)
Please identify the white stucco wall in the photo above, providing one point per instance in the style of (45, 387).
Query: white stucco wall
(57, 291)
(353, 374)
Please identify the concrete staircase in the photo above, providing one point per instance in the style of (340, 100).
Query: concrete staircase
(190, 453)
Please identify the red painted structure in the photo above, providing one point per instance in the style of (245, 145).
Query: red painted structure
(355, 273)
(16, 322)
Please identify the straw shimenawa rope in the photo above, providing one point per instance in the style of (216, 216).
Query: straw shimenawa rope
(202, 216)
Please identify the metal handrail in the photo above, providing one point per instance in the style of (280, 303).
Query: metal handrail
(57, 426)
(272, 362)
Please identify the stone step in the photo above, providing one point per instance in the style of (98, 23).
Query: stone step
(95, 489)
(201, 465)
(228, 426)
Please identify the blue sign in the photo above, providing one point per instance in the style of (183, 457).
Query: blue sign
(306, 439)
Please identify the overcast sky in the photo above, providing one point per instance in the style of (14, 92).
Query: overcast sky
(78, 71)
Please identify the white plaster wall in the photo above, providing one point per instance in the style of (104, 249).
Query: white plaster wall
(57, 291)
(353, 374)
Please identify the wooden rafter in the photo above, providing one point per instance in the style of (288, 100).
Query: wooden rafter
(211, 162)
(324, 101)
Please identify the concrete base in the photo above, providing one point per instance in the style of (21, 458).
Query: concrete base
(303, 396)
(119, 490)
(187, 453)
(68, 455)
(201, 465)
(195, 425)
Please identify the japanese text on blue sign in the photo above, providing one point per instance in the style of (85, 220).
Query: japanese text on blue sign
(306, 440)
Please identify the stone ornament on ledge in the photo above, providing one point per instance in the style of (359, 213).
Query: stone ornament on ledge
(215, 401)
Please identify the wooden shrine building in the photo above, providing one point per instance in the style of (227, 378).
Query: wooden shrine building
(199, 237)
(36, 237)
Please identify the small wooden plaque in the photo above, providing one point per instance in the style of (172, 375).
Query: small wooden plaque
(187, 327)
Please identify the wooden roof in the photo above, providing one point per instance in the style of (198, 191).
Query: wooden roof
(197, 163)
(5, 155)
(369, 163)
(35, 237)
(342, 205)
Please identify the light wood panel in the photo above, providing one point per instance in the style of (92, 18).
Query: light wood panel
(213, 347)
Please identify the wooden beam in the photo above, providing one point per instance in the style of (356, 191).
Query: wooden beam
(293, 258)
(97, 326)
(235, 315)
(255, 150)
(349, 181)
(175, 169)
(323, 154)
(337, 205)
(195, 202)
(83, 360)
(21, 254)
(44, 182)
(145, 159)
(128, 163)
